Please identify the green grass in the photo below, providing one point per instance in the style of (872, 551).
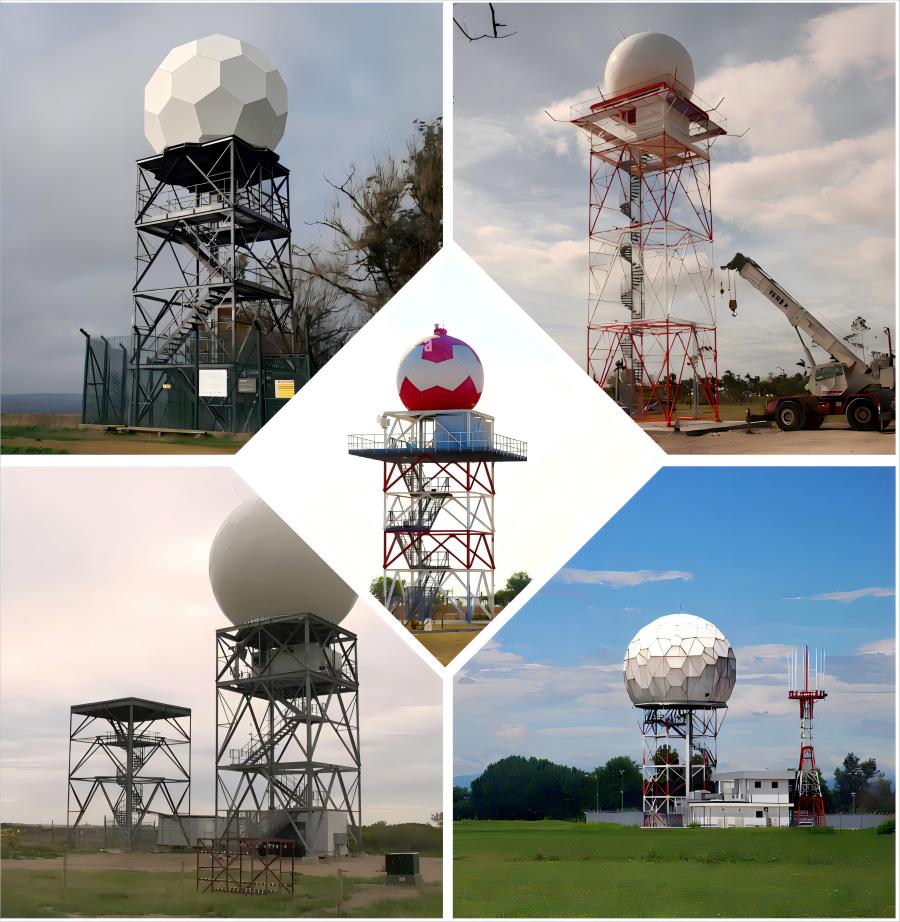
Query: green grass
(597, 870)
(34, 893)
(64, 434)
(30, 450)
(427, 904)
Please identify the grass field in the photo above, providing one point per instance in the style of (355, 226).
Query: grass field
(547, 869)
(63, 440)
(444, 645)
(41, 893)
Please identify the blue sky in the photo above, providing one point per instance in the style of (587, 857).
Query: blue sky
(746, 548)
(805, 186)
(358, 75)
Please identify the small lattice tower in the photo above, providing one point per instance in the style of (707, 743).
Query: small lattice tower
(651, 326)
(809, 809)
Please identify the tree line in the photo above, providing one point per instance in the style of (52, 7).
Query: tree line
(520, 788)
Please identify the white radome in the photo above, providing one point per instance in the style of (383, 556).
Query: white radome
(645, 58)
(260, 568)
(212, 88)
(680, 660)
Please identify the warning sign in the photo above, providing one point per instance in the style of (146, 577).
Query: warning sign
(213, 382)
(284, 388)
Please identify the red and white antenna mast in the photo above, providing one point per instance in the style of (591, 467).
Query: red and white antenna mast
(809, 809)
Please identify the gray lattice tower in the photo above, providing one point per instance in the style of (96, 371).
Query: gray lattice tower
(135, 754)
(287, 732)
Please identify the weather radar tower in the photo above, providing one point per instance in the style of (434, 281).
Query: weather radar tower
(809, 809)
(651, 326)
(214, 343)
(288, 757)
(438, 456)
(679, 671)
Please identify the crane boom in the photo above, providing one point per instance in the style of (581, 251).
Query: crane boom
(798, 316)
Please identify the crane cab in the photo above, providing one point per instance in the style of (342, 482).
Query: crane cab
(828, 380)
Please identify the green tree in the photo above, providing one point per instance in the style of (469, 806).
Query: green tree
(462, 803)
(383, 586)
(616, 783)
(851, 778)
(514, 585)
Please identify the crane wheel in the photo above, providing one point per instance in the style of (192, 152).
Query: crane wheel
(814, 421)
(862, 416)
(790, 415)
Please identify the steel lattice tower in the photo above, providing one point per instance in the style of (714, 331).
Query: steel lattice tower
(673, 738)
(128, 750)
(810, 805)
(651, 324)
(439, 490)
(287, 732)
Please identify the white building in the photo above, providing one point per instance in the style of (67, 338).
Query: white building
(752, 798)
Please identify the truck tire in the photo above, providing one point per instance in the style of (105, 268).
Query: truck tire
(790, 415)
(814, 421)
(863, 415)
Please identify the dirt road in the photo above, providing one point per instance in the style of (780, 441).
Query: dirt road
(829, 440)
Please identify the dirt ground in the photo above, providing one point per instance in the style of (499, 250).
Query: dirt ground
(354, 866)
(829, 440)
(445, 645)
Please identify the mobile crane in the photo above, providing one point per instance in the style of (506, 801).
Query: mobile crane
(847, 386)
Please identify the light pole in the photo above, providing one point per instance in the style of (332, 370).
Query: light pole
(853, 801)
(621, 790)
(597, 785)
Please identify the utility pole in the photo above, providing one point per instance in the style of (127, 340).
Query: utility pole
(621, 790)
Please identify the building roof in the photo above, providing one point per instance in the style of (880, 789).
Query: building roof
(123, 708)
(760, 775)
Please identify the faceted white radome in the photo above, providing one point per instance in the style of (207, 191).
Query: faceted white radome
(679, 660)
(211, 88)
(647, 57)
(260, 568)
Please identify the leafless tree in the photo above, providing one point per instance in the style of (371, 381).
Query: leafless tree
(495, 31)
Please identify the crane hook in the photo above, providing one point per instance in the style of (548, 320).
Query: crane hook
(732, 306)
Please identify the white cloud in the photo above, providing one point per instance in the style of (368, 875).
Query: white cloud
(619, 578)
(850, 595)
(886, 647)
(859, 37)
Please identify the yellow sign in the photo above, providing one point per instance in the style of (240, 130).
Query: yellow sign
(284, 389)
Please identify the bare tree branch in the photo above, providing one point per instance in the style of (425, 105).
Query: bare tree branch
(495, 28)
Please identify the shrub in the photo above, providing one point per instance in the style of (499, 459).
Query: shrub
(886, 828)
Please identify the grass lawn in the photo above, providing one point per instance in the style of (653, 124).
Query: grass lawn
(548, 869)
(35, 893)
(24, 439)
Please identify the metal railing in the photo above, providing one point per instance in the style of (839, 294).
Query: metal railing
(184, 201)
(442, 441)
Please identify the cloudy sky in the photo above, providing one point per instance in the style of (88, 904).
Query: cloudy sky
(550, 683)
(105, 594)
(808, 191)
(357, 77)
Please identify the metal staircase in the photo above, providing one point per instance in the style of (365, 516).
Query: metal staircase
(256, 748)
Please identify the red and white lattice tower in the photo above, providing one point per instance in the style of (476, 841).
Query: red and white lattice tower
(651, 329)
(438, 457)
(809, 806)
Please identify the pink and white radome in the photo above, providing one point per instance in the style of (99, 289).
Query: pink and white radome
(440, 372)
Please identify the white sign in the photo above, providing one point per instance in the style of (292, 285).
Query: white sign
(213, 382)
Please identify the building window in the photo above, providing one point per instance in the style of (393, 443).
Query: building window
(774, 784)
(759, 814)
(757, 784)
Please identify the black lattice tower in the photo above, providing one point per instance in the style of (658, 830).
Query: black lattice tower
(673, 738)
(136, 756)
(809, 808)
(287, 731)
(439, 489)
(651, 325)
(213, 284)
